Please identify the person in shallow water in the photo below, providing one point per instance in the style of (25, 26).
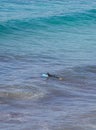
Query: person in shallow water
(48, 75)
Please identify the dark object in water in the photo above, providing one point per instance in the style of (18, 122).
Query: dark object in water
(48, 75)
(51, 75)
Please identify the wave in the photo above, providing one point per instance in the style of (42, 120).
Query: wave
(51, 22)
(78, 82)
(79, 76)
(86, 69)
(21, 92)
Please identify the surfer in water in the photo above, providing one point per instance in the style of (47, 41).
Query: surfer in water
(48, 75)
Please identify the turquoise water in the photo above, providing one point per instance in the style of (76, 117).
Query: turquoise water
(40, 36)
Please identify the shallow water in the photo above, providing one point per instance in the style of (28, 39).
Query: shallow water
(37, 37)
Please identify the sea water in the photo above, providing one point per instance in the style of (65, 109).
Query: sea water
(54, 36)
